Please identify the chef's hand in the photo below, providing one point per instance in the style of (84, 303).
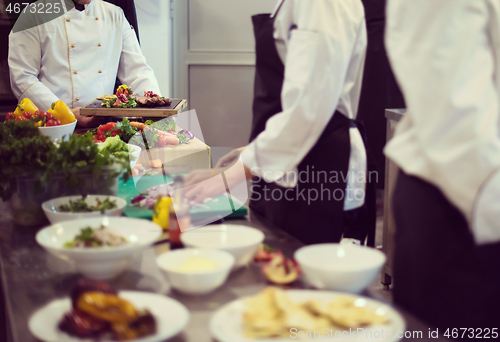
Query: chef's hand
(85, 121)
(202, 184)
(198, 176)
(230, 158)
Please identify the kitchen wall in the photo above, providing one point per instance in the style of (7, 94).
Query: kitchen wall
(154, 32)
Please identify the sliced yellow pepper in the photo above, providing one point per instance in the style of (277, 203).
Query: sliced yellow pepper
(62, 112)
(161, 212)
(26, 105)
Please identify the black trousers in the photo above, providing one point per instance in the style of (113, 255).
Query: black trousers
(440, 275)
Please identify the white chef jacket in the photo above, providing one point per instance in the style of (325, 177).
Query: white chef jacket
(77, 57)
(323, 46)
(446, 57)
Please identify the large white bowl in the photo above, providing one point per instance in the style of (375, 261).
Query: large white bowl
(242, 242)
(195, 282)
(100, 262)
(347, 268)
(58, 132)
(51, 208)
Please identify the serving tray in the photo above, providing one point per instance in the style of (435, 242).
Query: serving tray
(95, 109)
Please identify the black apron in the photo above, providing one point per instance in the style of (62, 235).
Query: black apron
(311, 221)
(440, 275)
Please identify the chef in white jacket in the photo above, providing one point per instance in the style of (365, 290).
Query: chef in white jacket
(309, 68)
(76, 56)
(446, 57)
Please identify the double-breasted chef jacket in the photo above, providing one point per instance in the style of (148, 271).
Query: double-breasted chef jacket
(77, 56)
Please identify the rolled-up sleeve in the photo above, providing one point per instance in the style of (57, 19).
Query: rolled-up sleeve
(318, 55)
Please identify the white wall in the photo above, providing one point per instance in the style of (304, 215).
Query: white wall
(154, 32)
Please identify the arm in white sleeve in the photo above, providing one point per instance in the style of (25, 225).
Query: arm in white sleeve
(318, 56)
(133, 69)
(444, 61)
(24, 66)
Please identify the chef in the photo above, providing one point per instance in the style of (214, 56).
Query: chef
(76, 56)
(309, 66)
(446, 57)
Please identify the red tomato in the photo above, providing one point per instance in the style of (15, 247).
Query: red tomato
(51, 123)
(28, 115)
(58, 122)
(10, 116)
(49, 116)
(39, 114)
(162, 140)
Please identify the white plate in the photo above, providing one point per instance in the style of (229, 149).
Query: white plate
(171, 317)
(226, 324)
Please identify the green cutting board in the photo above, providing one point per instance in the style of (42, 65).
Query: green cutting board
(221, 207)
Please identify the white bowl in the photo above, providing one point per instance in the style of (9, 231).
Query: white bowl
(134, 153)
(242, 242)
(195, 282)
(58, 132)
(50, 208)
(347, 268)
(100, 262)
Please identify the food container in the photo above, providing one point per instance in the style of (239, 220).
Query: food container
(26, 202)
(195, 282)
(51, 208)
(242, 242)
(100, 262)
(346, 268)
(58, 132)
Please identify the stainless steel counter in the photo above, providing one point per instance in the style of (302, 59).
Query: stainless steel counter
(32, 278)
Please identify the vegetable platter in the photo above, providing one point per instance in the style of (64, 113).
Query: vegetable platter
(95, 109)
(125, 103)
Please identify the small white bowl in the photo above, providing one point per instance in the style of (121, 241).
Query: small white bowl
(195, 282)
(51, 208)
(347, 268)
(134, 153)
(100, 262)
(242, 242)
(58, 132)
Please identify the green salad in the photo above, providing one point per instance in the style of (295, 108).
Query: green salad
(81, 206)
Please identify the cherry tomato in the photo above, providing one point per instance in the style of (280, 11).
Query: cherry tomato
(28, 115)
(58, 122)
(10, 116)
(38, 115)
(48, 116)
(51, 123)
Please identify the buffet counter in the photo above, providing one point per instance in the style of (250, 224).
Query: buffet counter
(31, 278)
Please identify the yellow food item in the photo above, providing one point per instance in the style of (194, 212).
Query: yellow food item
(108, 307)
(26, 105)
(272, 314)
(197, 264)
(62, 112)
(161, 213)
